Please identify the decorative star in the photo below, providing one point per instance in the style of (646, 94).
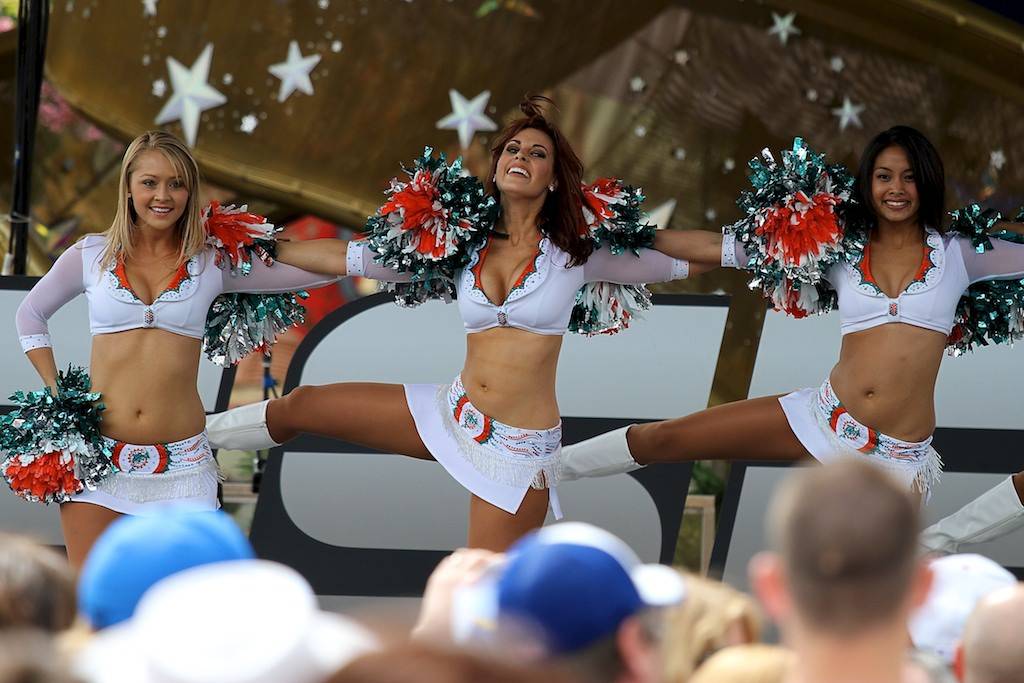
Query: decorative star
(149, 7)
(661, 216)
(997, 159)
(728, 165)
(467, 116)
(640, 131)
(637, 84)
(159, 87)
(812, 95)
(836, 64)
(249, 123)
(336, 46)
(783, 27)
(294, 72)
(710, 215)
(192, 94)
(682, 57)
(679, 153)
(848, 114)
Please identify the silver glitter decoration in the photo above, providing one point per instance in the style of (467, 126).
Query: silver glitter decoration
(637, 84)
(159, 87)
(227, 79)
(161, 32)
(336, 46)
(640, 131)
(679, 153)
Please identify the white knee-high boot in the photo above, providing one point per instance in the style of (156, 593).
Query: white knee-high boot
(243, 428)
(994, 513)
(598, 457)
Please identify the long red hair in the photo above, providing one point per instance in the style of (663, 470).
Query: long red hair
(561, 217)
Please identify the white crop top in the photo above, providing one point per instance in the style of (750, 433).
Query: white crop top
(114, 307)
(542, 298)
(949, 265)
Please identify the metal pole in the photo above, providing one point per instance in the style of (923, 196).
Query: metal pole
(33, 18)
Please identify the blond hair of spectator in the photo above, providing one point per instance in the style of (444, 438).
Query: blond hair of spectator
(37, 587)
(753, 663)
(992, 650)
(714, 615)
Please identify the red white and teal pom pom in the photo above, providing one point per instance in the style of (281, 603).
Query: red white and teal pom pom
(429, 226)
(607, 308)
(992, 311)
(614, 216)
(240, 324)
(239, 236)
(51, 445)
(794, 226)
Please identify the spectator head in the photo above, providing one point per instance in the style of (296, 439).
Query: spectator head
(754, 663)
(583, 593)
(37, 588)
(959, 583)
(992, 650)
(845, 560)
(248, 621)
(134, 553)
(713, 616)
(30, 656)
(423, 664)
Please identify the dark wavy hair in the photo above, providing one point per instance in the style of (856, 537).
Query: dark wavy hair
(561, 217)
(925, 162)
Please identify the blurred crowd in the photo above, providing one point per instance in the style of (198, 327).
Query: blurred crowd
(843, 594)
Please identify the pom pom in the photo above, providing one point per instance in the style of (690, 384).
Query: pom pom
(606, 308)
(52, 444)
(239, 236)
(794, 226)
(992, 311)
(240, 324)
(614, 216)
(429, 226)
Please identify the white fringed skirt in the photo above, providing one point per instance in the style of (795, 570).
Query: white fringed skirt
(493, 460)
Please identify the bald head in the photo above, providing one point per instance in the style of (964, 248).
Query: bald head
(993, 643)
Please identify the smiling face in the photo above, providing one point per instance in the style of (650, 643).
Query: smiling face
(157, 192)
(526, 165)
(894, 194)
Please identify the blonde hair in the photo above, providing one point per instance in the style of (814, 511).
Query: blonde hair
(701, 624)
(191, 233)
(746, 664)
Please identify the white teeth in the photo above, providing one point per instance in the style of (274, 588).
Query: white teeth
(159, 210)
(520, 171)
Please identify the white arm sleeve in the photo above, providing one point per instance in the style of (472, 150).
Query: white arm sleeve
(1005, 261)
(60, 285)
(359, 261)
(629, 269)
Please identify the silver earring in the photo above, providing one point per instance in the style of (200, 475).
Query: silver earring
(551, 187)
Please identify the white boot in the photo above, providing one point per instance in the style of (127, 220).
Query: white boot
(598, 457)
(994, 513)
(243, 428)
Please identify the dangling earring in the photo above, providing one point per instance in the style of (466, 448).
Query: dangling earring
(495, 178)
(551, 187)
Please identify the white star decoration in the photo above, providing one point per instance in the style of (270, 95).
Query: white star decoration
(467, 116)
(294, 72)
(159, 87)
(783, 27)
(848, 114)
(661, 216)
(249, 123)
(149, 7)
(837, 64)
(192, 94)
(997, 159)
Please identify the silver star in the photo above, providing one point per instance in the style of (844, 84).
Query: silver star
(227, 79)
(997, 159)
(640, 131)
(249, 123)
(149, 8)
(294, 72)
(679, 153)
(848, 114)
(728, 165)
(682, 57)
(812, 95)
(161, 32)
(192, 94)
(467, 116)
(637, 84)
(336, 46)
(783, 27)
(710, 215)
(837, 64)
(159, 87)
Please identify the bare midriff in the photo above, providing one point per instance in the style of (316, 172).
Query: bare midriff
(148, 380)
(510, 376)
(886, 377)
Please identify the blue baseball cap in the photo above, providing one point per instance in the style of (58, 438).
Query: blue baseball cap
(571, 584)
(136, 552)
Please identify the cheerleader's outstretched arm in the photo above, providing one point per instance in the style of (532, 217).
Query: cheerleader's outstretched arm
(337, 257)
(699, 247)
